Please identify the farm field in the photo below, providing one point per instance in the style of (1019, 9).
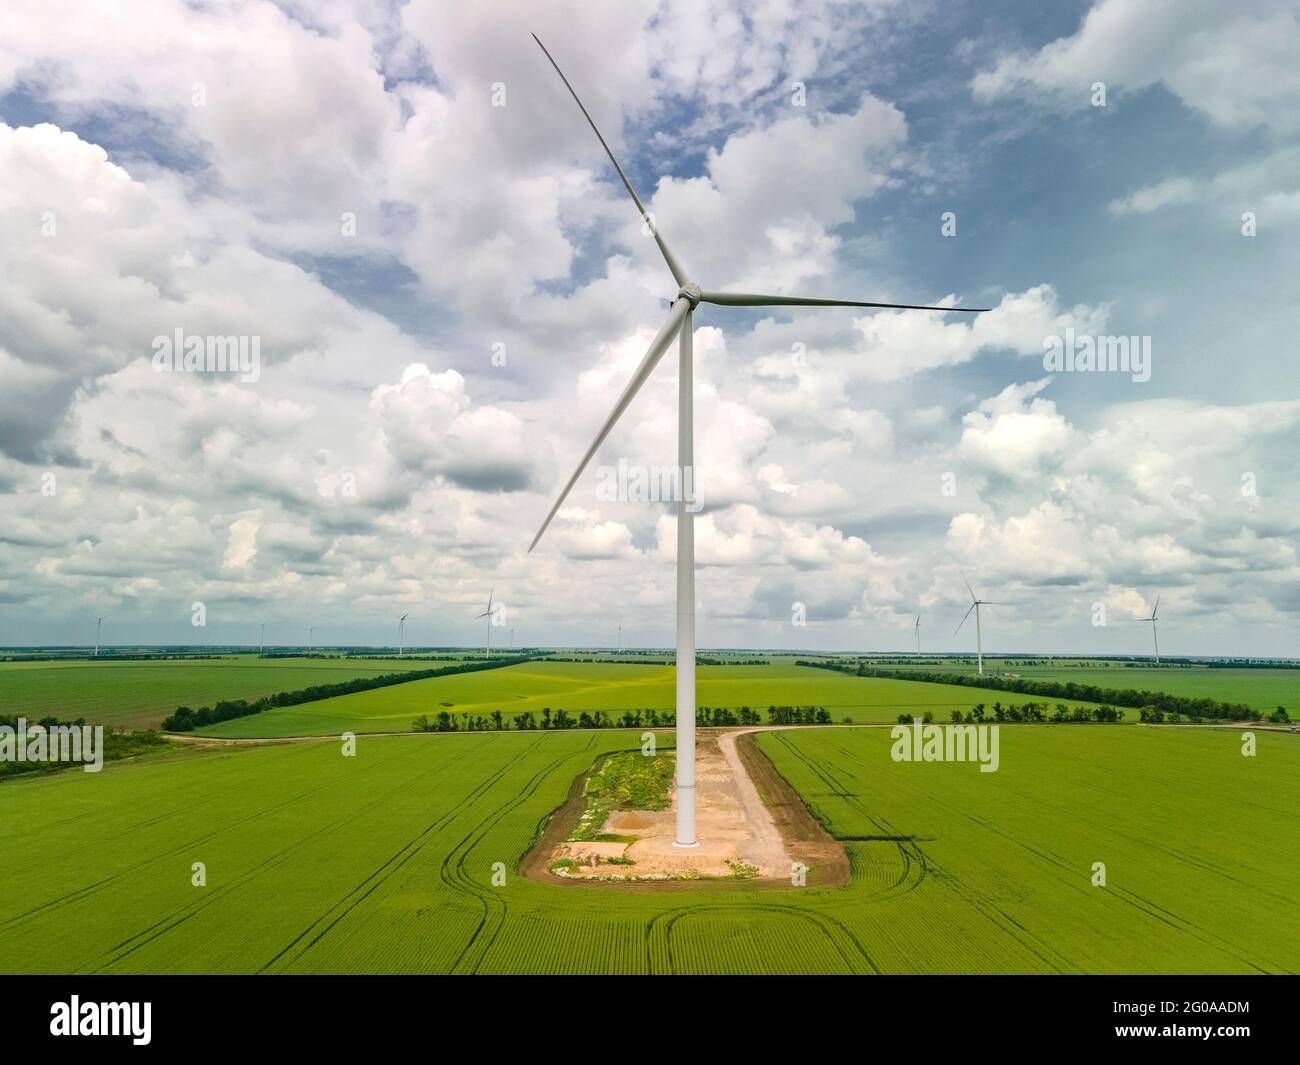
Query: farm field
(575, 686)
(384, 862)
(141, 694)
(1199, 845)
(1261, 689)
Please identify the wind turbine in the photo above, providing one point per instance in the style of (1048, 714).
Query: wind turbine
(311, 637)
(620, 634)
(679, 327)
(975, 603)
(99, 624)
(488, 614)
(401, 631)
(1155, 610)
(262, 649)
(918, 634)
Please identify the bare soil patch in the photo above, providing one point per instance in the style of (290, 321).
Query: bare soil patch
(751, 824)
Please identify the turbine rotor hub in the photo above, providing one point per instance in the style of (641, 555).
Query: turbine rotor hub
(691, 293)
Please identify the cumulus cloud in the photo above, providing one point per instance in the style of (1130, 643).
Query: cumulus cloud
(1015, 433)
(1234, 63)
(430, 426)
(194, 167)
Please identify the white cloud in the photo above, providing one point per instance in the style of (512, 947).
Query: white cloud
(1171, 192)
(241, 548)
(1234, 63)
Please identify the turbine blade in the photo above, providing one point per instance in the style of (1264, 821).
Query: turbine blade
(679, 275)
(1156, 609)
(751, 299)
(963, 620)
(964, 581)
(658, 346)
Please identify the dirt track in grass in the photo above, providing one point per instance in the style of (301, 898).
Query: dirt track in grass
(757, 815)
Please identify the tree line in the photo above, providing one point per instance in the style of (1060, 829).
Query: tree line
(1193, 708)
(552, 720)
(1026, 713)
(117, 745)
(630, 659)
(186, 720)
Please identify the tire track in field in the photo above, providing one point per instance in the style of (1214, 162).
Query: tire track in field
(167, 924)
(913, 855)
(494, 906)
(990, 910)
(843, 940)
(1147, 843)
(1066, 873)
(838, 788)
(1017, 931)
(323, 924)
(915, 865)
(189, 845)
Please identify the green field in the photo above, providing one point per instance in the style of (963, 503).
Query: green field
(384, 862)
(1261, 689)
(1199, 845)
(577, 686)
(141, 694)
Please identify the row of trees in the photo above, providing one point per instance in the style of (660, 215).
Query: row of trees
(1031, 713)
(1189, 707)
(116, 745)
(551, 720)
(1038, 712)
(186, 720)
(660, 658)
(1153, 715)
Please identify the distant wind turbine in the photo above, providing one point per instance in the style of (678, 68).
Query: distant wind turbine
(620, 634)
(975, 603)
(918, 634)
(311, 637)
(401, 632)
(1155, 611)
(679, 326)
(262, 648)
(487, 653)
(99, 624)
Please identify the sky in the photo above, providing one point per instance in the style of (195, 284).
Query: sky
(403, 214)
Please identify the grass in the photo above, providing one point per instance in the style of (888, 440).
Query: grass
(141, 694)
(1261, 689)
(1198, 844)
(613, 688)
(385, 862)
(627, 781)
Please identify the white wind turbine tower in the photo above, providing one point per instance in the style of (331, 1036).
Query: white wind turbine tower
(401, 632)
(261, 650)
(918, 634)
(1155, 611)
(975, 603)
(620, 634)
(488, 614)
(679, 327)
(99, 624)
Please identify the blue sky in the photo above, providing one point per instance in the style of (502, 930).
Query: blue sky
(196, 169)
